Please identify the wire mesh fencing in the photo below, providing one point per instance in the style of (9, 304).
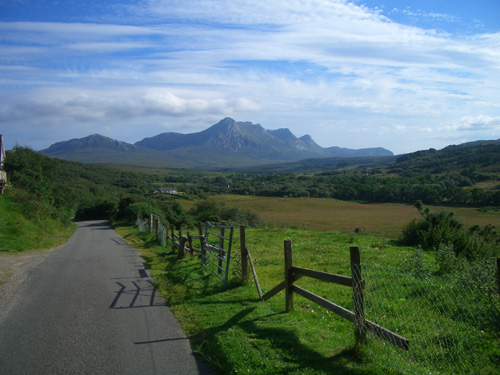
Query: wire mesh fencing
(452, 323)
(142, 224)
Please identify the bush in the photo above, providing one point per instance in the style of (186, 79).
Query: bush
(216, 211)
(416, 264)
(442, 229)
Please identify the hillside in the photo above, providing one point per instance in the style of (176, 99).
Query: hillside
(18, 233)
(225, 144)
(481, 156)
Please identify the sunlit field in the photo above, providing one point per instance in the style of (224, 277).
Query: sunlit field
(345, 217)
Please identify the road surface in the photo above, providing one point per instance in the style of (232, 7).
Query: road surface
(91, 308)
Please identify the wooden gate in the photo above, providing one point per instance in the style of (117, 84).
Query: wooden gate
(213, 255)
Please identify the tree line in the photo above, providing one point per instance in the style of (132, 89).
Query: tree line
(63, 189)
(365, 185)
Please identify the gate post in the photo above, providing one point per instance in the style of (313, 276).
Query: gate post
(182, 245)
(172, 236)
(221, 245)
(288, 275)
(357, 291)
(244, 255)
(498, 275)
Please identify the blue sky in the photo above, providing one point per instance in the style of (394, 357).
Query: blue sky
(401, 74)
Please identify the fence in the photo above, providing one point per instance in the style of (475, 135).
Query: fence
(450, 321)
(214, 257)
(355, 282)
(447, 322)
(212, 253)
(436, 325)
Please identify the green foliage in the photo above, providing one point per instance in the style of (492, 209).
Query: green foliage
(442, 230)
(30, 171)
(218, 211)
(105, 210)
(19, 233)
(416, 264)
(139, 208)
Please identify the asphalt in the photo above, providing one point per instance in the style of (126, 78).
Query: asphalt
(91, 308)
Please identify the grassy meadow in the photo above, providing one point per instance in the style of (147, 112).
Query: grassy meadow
(449, 328)
(319, 214)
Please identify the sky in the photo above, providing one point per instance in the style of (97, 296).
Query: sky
(405, 75)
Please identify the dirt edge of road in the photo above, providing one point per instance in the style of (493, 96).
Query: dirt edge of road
(15, 267)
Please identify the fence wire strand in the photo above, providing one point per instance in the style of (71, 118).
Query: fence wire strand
(452, 323)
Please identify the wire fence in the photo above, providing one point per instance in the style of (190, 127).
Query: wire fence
(142, 224)
(452, 323)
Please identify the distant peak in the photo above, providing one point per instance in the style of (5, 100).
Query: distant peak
(306, 138)
(227, 121)
(283, 133)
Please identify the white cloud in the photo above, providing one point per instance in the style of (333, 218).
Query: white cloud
(283, 63)
(476, 123)
(114, 105)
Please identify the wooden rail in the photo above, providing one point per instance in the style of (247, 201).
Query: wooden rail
(355, 282)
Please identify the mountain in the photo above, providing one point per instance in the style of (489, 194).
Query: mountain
(99, 149)
(92, 142)
(225, 144)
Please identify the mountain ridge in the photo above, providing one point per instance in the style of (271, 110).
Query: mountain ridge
(227, 143)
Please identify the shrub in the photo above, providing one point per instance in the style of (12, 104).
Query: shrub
(216, 211)
(442, 229)
(416, 264)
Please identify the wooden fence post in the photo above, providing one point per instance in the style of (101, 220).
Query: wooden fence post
(157, 228)
(244, 255)
(221, 253)
(288, 275)
(190, 244)
(357, 290)
(255, 278)
(200, 233)
(498, 275)
(182, 245)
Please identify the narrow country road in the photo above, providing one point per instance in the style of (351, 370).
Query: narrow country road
(91, 308)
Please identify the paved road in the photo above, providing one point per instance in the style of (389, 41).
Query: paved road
(90, 308)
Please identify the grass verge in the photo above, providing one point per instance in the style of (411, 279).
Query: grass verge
(236, 333)
(452, 326)
(20, 234)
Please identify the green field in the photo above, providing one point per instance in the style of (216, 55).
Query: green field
(332, 215)
(450, 322)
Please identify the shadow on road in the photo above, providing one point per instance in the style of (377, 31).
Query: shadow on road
(136, 294)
